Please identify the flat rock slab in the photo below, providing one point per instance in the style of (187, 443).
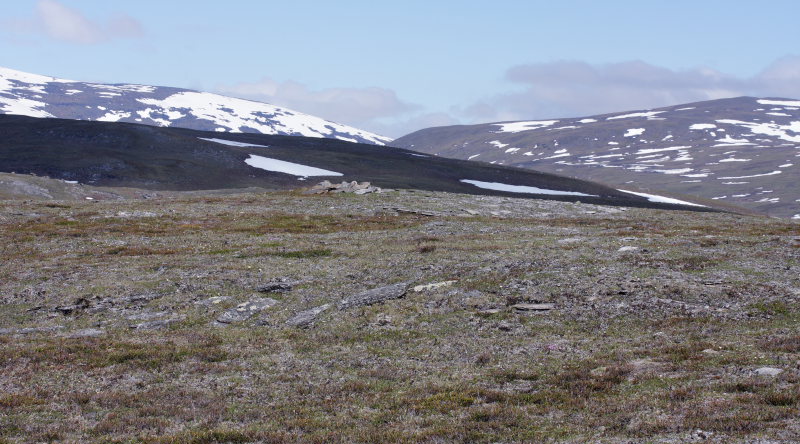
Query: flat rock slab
(306, 318)
(429, 287)
(533, 307)
(275, 287)
(28, 330)
(245, 310)
(156, 324)
(768, 371)
(85, 333)
(374, 296)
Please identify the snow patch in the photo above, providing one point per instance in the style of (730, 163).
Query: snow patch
(779, 102)
(648, 114)
(702, 126)
(280, 166)
(517, 127)
(773, 173)
(521, 188)
(633, 132)
(662, 199)
(231, 142)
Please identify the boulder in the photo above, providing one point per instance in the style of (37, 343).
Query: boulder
(308, 317)
(374, 296)
(245, 310)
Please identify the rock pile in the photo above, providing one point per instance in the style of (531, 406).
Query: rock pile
(326, 187)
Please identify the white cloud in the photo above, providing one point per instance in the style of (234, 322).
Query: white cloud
(364, 108)
(574, 89)
(66, 24)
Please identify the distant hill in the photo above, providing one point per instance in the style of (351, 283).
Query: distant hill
(744, 151)
(157, 158)
(39, 96)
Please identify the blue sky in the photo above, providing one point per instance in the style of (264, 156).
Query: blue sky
(393, 67)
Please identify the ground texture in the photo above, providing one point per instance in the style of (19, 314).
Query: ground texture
(280, 317)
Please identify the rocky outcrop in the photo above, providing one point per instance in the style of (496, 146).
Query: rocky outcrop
(327, 187)
(374, 296)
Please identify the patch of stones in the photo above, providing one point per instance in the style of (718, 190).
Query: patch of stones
(327, 187)
(245, 310)
(374, 296)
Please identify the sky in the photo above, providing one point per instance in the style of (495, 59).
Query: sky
(396, 67)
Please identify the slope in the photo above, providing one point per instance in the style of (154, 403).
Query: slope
(743, 150)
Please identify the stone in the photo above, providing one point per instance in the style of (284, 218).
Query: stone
(504, 326)
(275, 287)
(374, 296)
(533, 307)
(354, 187)
(429, 287)
(627, 249)
(215, 300)
(768, 371)
(307, 318)
(245, 310)
(79, 305)
(86, 333)
(489, 311)
(156, 324)
(28, 330)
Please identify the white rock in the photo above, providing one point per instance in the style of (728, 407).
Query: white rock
(768, 371)
(429, 287)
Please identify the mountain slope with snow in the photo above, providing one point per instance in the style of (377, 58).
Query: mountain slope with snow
(117, 154)
(744, 151)
(39, 96)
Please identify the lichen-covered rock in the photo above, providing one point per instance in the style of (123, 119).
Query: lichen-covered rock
(245, 310)
(374, 296)
(307, 317)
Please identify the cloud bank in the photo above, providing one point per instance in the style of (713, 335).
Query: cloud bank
(544, 90)
(69, 25)
(573, 89)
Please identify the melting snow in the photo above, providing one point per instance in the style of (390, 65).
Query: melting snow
(702, 126)
(517, 127)
(780, 102)
(587, 120)
(231, 142)
(633, 132)
(648, 114)
(521, 188)
(770, 129)
(755, 175)
(113, 116)
(662, 199)
(498, 144)
(280, 166)
(473, 156)
(675, 171)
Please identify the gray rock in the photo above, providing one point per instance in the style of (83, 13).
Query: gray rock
(79, 305)
(86, 333)
(768, 371)
(245, 310)
(374, 296)
(154, 325)
(308, 317)
(628, 249)
(215, 300)
(28, 330)
(275, 287)
(533, 307)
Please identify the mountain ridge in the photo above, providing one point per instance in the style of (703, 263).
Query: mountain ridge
(36, 95)
(739, 150)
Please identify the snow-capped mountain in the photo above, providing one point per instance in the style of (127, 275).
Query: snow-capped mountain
(744, 151)
(39, 96)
